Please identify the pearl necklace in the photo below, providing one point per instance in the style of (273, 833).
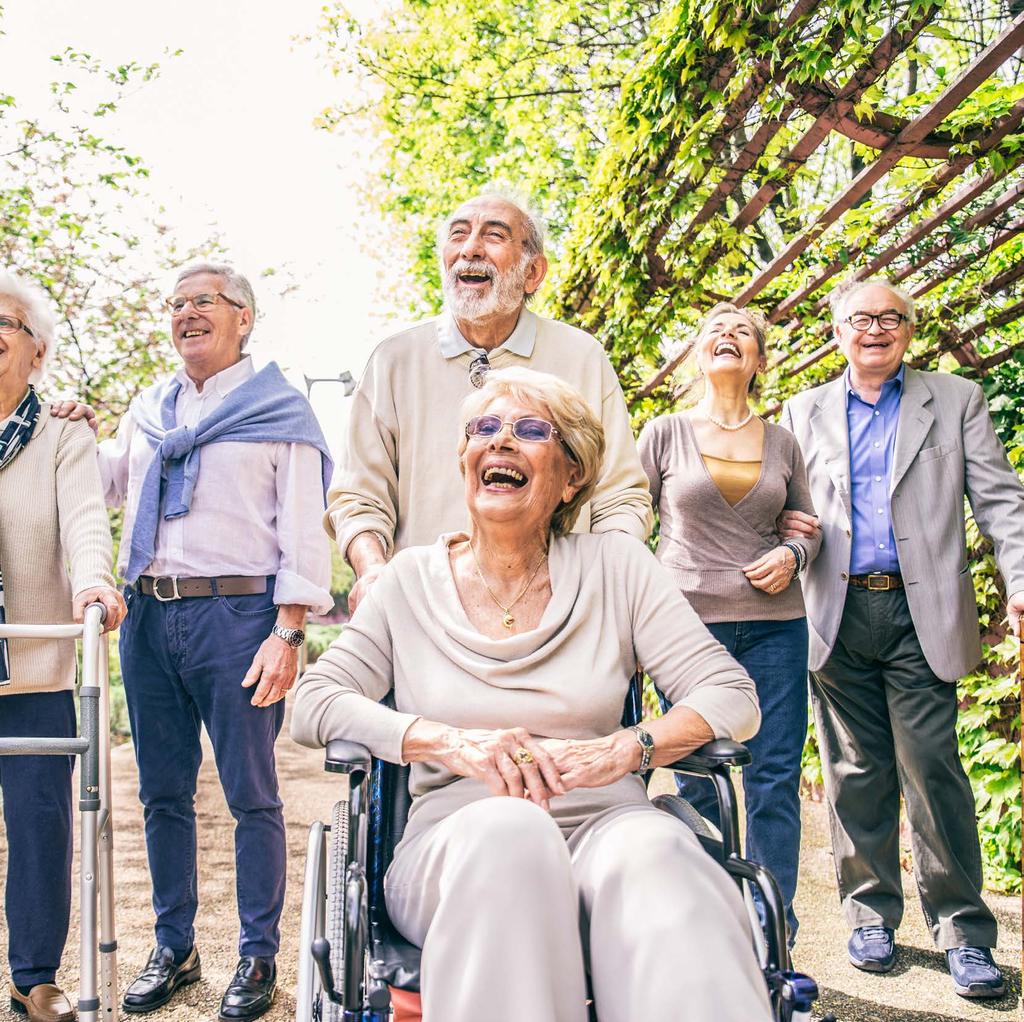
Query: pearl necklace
(725, 425)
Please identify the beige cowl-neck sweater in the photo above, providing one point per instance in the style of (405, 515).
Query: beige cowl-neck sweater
(54, 542)
(611, 605)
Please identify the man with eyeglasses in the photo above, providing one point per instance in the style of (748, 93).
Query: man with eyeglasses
(891, 453)
(398, 482)
(222, 472)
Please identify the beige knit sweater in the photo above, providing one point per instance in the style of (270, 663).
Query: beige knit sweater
(611, 605)
(54, 542)
(398, 475)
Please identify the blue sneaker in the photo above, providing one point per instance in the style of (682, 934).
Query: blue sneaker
(974, 973)
(872, 948)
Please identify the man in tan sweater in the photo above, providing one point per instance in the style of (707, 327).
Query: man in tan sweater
(398, 481)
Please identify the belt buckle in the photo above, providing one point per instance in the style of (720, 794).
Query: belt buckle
(884, 583)
(173, 579)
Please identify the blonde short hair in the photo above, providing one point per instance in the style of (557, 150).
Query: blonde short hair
(580, 429)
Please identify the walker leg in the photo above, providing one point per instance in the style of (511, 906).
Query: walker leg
(108, 934)
(89, 807)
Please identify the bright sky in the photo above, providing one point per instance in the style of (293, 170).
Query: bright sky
(227, 133)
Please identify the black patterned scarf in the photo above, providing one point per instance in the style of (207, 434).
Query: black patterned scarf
(13, 437)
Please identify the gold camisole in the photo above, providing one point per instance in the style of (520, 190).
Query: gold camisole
(734, 479)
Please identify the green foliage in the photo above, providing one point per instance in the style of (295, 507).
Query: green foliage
(621, 119)
(318, 638)
(69, 201)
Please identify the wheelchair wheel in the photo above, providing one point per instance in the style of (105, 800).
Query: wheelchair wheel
(334, 921)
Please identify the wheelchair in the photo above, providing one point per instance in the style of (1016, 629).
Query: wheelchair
(354, 966)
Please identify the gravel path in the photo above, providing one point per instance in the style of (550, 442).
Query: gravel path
(918, 989)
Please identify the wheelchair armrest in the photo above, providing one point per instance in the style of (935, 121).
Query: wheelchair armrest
(718, 753)
(347, 757)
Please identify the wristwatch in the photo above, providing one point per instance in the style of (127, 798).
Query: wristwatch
(295, 637)
(646, 743)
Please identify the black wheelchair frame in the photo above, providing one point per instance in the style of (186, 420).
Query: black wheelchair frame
(350, 951)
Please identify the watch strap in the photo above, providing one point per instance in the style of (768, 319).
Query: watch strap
(295, 637)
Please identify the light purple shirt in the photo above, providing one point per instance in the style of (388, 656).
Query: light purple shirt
(872, 442)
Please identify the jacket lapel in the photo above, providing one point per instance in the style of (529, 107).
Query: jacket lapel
(832, 437)
(914, 423)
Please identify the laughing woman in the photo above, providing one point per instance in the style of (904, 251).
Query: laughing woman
(719, 477)
(509, 650)
(55, 554)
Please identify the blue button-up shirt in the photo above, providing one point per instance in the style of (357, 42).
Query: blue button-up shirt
(872, 442)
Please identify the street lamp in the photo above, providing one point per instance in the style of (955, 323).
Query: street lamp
(345, 379)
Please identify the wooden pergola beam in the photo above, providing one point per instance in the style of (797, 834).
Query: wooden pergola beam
(982, 218)
(763, 73)
(1008, 233)
(827, 120)
(1008, 42)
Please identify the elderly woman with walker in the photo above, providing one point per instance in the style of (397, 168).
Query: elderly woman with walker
(55, 560)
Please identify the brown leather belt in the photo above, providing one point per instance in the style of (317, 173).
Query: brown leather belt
(877, 582)
(171, 587)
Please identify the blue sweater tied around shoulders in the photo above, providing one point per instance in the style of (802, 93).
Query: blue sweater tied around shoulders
(264, 409)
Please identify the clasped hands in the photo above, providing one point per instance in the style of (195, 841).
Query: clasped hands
(553, 767)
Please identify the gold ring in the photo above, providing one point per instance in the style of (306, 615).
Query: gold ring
(772, 587)
(522, 756)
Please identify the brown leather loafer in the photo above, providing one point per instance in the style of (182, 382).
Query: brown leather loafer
(43, 1003)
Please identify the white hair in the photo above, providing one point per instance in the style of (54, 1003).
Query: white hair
(839, 297)
(533, 222)
(36, 310)
(236, 286)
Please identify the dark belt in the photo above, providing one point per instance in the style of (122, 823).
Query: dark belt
(877, 581)
(171, 587)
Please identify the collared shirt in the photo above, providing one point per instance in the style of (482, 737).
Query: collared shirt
(256, 508)
(872, 442)
(519, 342)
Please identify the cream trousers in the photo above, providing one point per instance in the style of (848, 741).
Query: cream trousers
(510, 914)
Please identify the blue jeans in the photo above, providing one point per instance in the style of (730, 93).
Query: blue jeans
(183, 663)
(38, 818)
(774, 654)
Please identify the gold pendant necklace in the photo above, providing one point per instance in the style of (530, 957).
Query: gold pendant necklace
(507, 619)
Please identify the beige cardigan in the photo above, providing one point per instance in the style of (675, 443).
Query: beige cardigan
(398, 475)
(611, 605)
(52, 519)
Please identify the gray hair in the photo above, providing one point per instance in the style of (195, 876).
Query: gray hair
(533, 222)
(36, 309)
(236, 286)
(581, 431)
(841, 294)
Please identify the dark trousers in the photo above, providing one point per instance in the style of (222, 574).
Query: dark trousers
(37, 814)
(887, 726)
(183, 663)
(774, 654)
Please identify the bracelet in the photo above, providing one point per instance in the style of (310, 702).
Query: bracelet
(799, 557)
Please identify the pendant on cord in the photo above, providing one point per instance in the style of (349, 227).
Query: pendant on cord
(508, 621)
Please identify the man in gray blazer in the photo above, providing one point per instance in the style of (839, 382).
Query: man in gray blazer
(891, 453)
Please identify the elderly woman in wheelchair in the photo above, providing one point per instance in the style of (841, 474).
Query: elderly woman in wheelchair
(532, 855)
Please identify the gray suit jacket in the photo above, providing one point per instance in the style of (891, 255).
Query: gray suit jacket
(946, 449)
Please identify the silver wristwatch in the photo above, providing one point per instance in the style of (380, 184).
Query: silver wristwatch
(295, 637)
(646, 743)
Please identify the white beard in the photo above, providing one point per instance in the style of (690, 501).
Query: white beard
(505, 295)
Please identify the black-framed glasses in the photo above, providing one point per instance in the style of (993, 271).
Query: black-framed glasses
(888, 320)
(200, 302)
(11, 325)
